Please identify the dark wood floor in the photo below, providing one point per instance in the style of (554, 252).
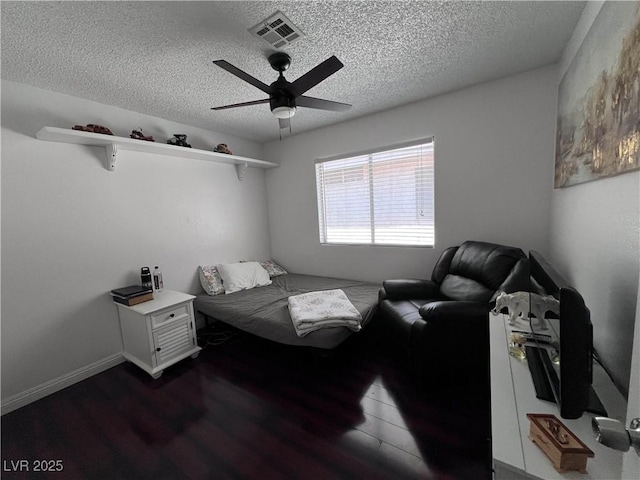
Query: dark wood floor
(252, 409)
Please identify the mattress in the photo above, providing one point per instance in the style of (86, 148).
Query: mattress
(263, 311)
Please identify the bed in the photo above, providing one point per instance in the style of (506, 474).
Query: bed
(264, 310)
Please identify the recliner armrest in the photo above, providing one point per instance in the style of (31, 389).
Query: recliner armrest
(455, 311)
(405, 288)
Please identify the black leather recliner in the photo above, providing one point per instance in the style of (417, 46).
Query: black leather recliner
(443, 322)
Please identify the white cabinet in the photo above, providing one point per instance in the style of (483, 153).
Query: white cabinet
(513, 395)
(160, 332)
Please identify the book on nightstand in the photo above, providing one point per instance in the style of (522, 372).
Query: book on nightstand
(132, 295)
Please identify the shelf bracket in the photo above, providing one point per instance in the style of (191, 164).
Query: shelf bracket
(241, 169)
(111, 151)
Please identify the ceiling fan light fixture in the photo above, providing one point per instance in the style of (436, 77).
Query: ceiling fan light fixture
(284, 111)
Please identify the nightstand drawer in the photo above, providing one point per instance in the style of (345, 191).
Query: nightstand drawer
(168, 315)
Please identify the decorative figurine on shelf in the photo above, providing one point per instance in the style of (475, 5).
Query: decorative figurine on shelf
(222, 148)
(179, 139)
(90, 127)
(138, 135)
(526, 303)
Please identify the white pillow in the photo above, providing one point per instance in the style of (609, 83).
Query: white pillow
(242, 276)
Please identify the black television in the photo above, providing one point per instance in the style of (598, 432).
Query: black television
(567, 363)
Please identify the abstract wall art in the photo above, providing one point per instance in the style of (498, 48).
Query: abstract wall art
(598, 129)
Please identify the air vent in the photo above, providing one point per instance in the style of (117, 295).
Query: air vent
(277, 30)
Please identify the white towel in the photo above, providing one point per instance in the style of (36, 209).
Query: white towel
(327, 308)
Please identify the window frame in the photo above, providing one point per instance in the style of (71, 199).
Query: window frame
(322, 224)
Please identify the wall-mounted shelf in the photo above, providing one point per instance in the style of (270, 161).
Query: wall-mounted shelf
(112, 144)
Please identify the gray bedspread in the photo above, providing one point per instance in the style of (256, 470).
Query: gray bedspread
(263, 311)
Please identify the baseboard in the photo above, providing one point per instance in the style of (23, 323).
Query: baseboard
(40, 391)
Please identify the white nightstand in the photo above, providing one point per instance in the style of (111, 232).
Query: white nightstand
(160, 332)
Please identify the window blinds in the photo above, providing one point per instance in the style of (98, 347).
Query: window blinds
(381, 198)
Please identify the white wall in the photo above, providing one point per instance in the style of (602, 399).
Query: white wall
(595, 244)
(494, 151)
(72, 230)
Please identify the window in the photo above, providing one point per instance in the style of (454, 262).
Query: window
(381, 198)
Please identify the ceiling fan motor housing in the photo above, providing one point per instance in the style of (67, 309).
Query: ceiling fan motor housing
(279, 100)
(283, 95)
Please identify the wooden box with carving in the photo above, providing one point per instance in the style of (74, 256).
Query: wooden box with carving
(565, 450)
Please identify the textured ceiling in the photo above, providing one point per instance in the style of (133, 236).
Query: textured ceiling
(156, 57)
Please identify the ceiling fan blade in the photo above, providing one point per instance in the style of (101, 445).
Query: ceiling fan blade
(316, 75)
(243, 104)
(243, 75)
(284, 123)
(320, 104)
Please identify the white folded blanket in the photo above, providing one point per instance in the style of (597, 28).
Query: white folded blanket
(327, 308)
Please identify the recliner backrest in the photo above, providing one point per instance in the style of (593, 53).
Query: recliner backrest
(443, 265)
(479, 271)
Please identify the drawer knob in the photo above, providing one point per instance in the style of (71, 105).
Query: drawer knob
(172, 315)
(158, 349)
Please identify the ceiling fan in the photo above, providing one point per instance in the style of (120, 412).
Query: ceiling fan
(285, 96)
